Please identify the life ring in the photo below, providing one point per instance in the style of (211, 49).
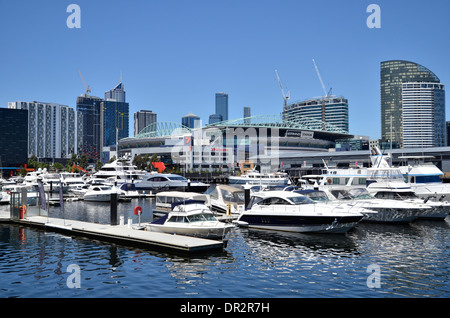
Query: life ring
(8, 192)
(137, 210)
(24, 209)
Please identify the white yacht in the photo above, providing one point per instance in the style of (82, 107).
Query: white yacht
(388, 210)
(226, 199)
(169, 182)
(165, 199)
(254, 177)
(120, 171)
(100, 193)
(294, 212)
(425, 180)
(191, 218)
(72, 180)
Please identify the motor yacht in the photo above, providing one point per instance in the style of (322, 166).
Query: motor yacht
(165, 199)
(120, 171)
(128, 190)
(254, 177)
(191, 218)
(388, 210)
(100, 193)
(169, 182)
(226, 199)
(425, 180)
(294, 212)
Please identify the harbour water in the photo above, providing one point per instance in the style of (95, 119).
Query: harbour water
(371, 261)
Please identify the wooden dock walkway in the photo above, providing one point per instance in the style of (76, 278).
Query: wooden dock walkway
(120, 234)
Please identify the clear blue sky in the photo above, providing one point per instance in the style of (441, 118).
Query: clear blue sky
(174, 55)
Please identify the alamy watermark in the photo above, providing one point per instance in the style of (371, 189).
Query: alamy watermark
(374, 279)
(74, 19)
(374, 19)
(74, 279)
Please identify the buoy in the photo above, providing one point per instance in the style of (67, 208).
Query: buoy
(137, 210)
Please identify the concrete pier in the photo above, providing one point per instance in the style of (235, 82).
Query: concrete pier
(120, 234)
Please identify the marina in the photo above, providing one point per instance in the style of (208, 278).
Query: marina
(291, 235)
(413, 259)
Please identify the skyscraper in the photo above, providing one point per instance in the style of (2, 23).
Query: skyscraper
(190, 120)
(117, 93)
(142, 119)
(222, 105)
(329, 109)
(51, 129)
(91, 136)
(423, 115)
(392, 75)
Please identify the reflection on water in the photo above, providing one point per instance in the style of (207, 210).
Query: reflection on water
(413, 260)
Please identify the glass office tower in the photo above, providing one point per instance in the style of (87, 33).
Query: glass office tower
(393, 73)
(222, 105)
(90, 109)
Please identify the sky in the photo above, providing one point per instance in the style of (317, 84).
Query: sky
(174, 55)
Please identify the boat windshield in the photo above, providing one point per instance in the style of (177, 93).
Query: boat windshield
(235, 197)
(318, 196)
(201, 217)
(359, 194)
(301, 200)
(386, 174)
(177, 178)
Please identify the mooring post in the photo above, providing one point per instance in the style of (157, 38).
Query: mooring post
(246, 196)
(113, 208)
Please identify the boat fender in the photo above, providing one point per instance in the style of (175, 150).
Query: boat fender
(137, 210)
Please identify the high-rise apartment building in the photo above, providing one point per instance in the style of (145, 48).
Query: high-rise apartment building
(90, 141)
(52, 129)
(13, 138)
(215, 118)
(142, 119)
(423, 115)
(117, 93)
(222, 105)
(392, 75)
(328, 109)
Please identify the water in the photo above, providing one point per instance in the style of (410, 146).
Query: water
(412, 261)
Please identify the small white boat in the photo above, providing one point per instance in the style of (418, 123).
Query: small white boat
(293, 212)
(128, 190)
(191, 218)
(100, 193)
(165, 199)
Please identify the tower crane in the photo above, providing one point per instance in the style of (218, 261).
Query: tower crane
(285, 97)
(320, 79)
(323, 97)
(88, 89)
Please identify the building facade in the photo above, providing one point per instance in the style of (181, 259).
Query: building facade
(91, 134)
(215, 118)
(423, 115)
(117, 93)
(13, 138)
(114, 121)
(328, 109)
(190, 120)
(222, 105)
(142, 119)
(393, 74)
(51, 129)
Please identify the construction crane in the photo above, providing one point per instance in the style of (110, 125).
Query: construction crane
(320, 79)
(88, 89)
(323, 97)
(285, 97)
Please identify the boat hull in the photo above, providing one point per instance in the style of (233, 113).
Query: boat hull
(301, 224)
(213, 233)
